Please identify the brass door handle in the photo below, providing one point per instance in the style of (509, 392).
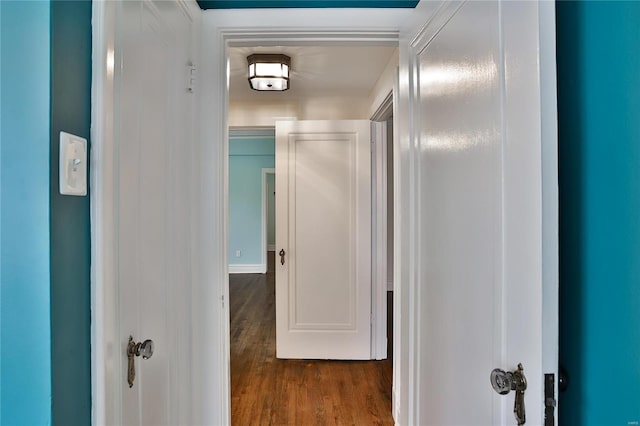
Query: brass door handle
(143, 349)
(504, 382)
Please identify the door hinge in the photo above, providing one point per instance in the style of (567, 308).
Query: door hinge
(549, 399)
(222, 300)
(191, 78)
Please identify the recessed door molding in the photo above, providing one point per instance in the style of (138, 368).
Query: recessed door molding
(222, 29)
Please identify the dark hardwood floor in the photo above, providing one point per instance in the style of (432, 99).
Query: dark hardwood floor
(270, 391)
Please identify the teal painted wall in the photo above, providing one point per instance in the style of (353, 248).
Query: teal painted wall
(247, 157)
(25, 370)
(599, 178)
(45, 237)
(262, 4)
(70, 220)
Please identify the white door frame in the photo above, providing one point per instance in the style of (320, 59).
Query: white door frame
(105, 387)
(222, 29)
(379, 240)
(379, 237)
(265, 215)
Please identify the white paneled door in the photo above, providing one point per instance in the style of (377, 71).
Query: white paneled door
(323, 239)
(477, 160)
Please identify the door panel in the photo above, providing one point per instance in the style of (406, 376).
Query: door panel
(323, 214)
(460, 203)
(322, 234)
(474, 97)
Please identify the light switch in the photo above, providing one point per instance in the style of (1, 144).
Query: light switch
(73, 164)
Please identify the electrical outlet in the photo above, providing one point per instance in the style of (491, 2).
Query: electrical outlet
(238, 253)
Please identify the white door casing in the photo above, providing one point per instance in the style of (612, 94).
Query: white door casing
(323, 222)
(268, 211)
(142, 206)
(379, 236)
(250, 27)
(474, 122)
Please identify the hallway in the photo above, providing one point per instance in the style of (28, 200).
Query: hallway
(265, 390)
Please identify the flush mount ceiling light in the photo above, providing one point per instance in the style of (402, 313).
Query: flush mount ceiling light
(269, 71)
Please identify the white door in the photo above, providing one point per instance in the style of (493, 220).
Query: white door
(323, 236)
(150, 200)
(476, 173)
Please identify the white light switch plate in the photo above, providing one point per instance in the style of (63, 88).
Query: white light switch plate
(73, 164)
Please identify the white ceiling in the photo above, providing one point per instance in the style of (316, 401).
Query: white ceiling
(315, 71)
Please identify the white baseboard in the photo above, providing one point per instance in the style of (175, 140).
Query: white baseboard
(271, 247)
(248, 269)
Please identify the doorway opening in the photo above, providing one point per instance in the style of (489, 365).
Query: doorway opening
(251, 169)
(298, 391)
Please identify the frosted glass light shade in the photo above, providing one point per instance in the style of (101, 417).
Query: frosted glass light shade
(269, 71)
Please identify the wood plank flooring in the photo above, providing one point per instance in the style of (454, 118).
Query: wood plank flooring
(269, 391)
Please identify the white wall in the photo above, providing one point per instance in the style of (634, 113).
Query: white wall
(384, 85)
(265, 114)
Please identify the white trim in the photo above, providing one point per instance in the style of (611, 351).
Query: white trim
(407, 186)
(258, 268)
(256, 132)
(379, 239)
(271, 247)
(106, 382)
(264, 243)
(381, 243)
(400, 322)
(222, 28)
(385, 110)
(549, 134)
